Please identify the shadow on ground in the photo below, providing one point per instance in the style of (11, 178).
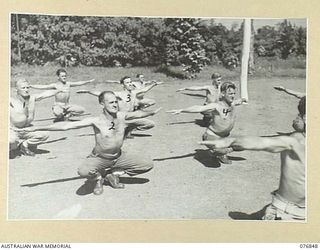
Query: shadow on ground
(253, 216)
(195, 95)
(88, 186)
(52, 181)
(204, 156)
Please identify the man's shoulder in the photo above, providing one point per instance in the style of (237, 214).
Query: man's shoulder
(94, 119)
(121, 93)
(121, 115)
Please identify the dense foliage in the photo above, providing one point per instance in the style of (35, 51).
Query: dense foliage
(134, 41)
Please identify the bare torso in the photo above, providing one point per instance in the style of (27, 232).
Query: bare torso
(63, 96)
(223, 119)
(22, 111)
(292, 179)
(109, 134)
(212, 94)
(127, 100)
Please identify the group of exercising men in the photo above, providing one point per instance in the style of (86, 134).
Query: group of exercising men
(125, 110)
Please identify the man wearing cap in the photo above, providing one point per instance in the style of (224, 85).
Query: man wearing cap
(22, 111)
(212, 94)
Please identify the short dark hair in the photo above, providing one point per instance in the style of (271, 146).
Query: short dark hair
(302, 106)
(227, 85)
(60, 70)
(123, 78)
(103, 93)
(215, 75)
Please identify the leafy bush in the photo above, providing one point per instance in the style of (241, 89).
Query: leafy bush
(189, 43)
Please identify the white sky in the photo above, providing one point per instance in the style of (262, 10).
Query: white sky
(258, 23)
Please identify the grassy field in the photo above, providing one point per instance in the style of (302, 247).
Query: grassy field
(185, 183)
(266, 68)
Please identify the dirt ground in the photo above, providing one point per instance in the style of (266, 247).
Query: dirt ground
(184, 184)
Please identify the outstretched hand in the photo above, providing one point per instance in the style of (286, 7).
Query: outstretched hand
(157, 110)
(280, 88)
(82, 91)
(92, 80)
(155, 82)
(175, 111)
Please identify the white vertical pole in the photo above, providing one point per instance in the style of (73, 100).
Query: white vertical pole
(245, 59)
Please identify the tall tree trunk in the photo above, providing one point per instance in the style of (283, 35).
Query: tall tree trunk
(18, 32)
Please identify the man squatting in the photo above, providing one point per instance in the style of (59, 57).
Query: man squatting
(288, 201)
(107, 160)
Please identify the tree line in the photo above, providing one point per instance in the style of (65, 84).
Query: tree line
(190, 43)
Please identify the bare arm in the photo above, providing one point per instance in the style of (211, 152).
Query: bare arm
(239, 101)
(194, 88)
(146, 89)
(269, 144)
(46, 94)
(84, 91)
(290, 92)
(194, 109)
(74, 84)
(112, 81)
(149, 82)
(141, 114)
(61, 126)
(43, 86)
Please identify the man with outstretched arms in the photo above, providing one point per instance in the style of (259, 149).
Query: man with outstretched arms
(22, 111)
(129, 97)
(223, 117)
(107, 159)
(288, 202)
(212, 94)
(296, 94)
(129, 102)
(62, 108)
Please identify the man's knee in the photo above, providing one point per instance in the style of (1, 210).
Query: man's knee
(43, 135)
(13, 145)
(76, 110)
(83, 171)
(39, 136)
(58, 111)
(13, 141)
(148, 124)
(145, 165)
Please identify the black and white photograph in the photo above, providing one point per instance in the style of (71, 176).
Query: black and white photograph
(157, 118)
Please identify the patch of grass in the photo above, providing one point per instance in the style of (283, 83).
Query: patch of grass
(274, 67)
(264, 68)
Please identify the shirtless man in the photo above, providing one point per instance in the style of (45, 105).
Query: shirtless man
(62, 108)
(129, 102)
(223, 118)
(212, 94)
(288, 202)
(22, 110)
(296, 94)
(130, 97)
(106, 158)
(141, 82)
